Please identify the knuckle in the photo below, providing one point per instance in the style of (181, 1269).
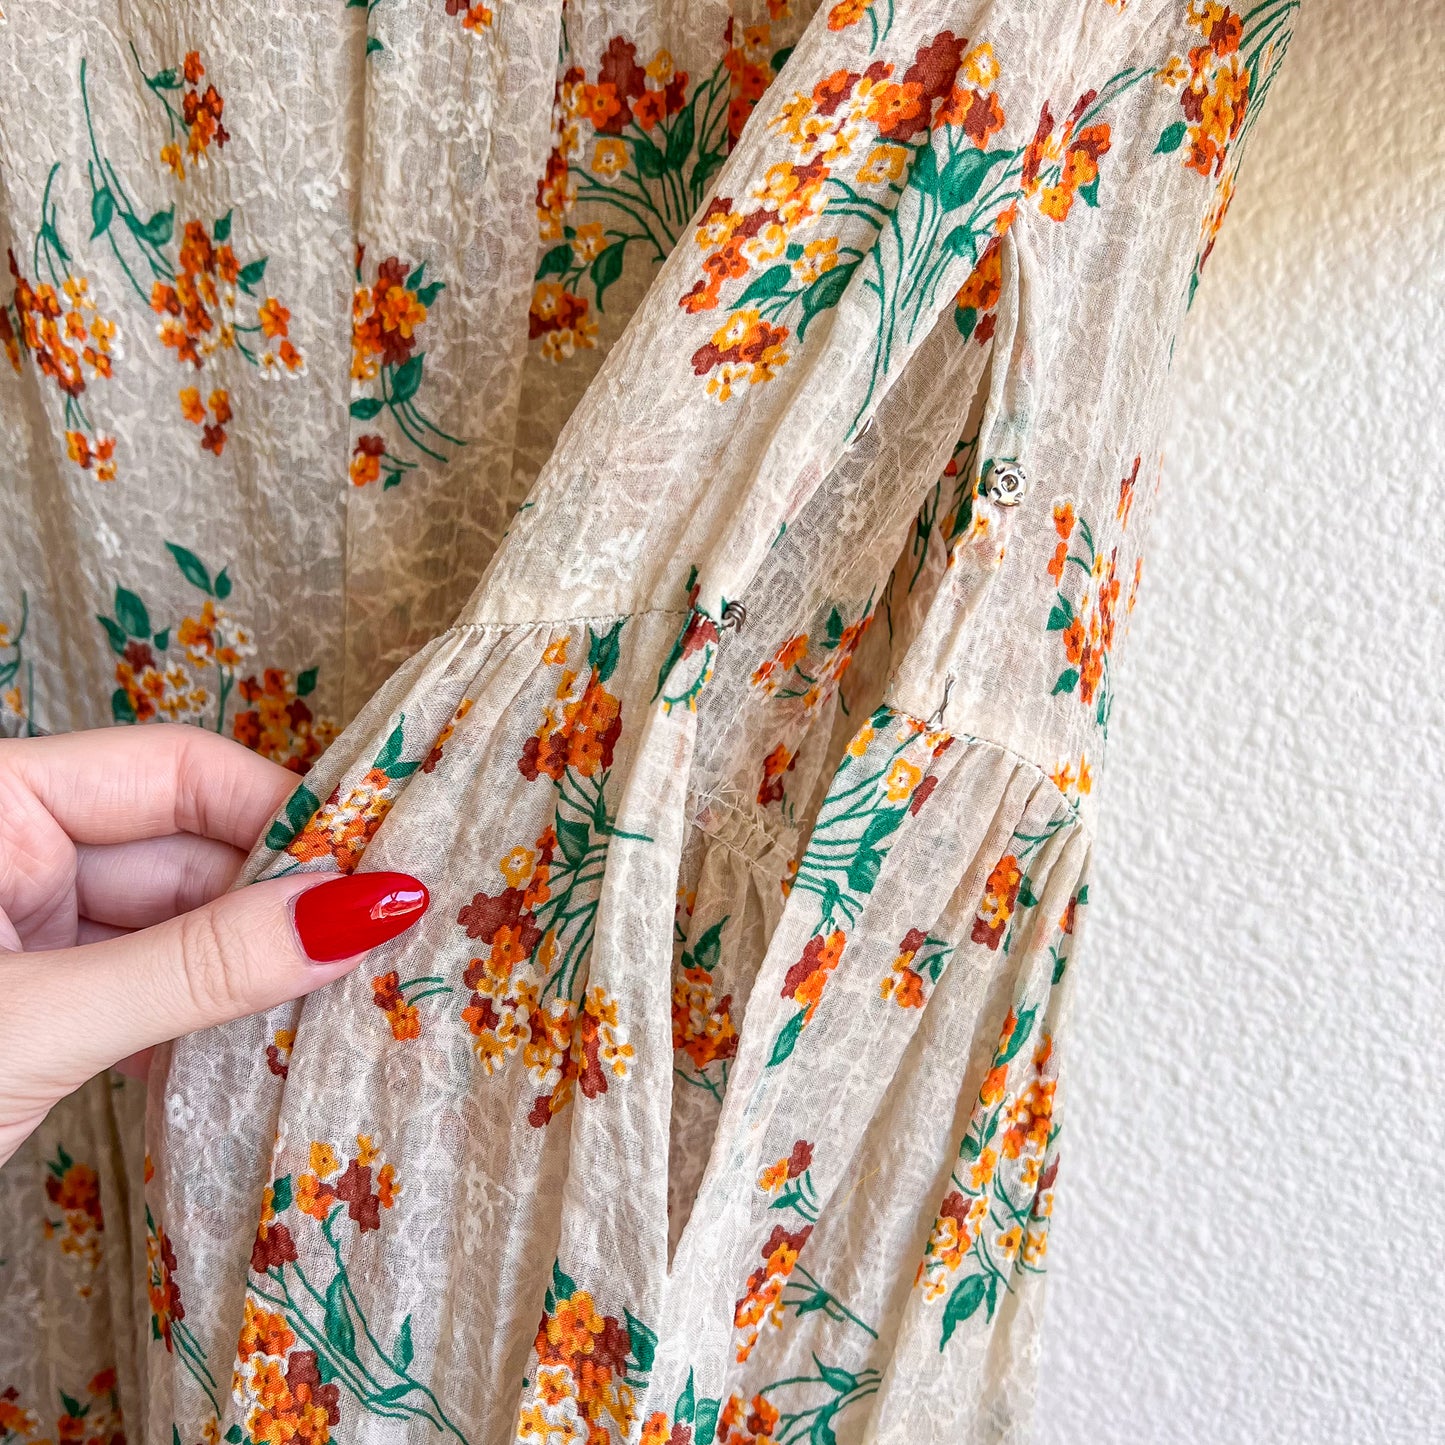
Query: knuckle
(216, 973)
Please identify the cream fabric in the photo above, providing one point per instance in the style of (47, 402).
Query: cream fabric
(754, 784)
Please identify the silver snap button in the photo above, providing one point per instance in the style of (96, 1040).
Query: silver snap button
(1006, 484)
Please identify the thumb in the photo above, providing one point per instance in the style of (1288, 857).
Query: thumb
(75, 1011)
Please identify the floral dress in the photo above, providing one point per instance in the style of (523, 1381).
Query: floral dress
(701, 455)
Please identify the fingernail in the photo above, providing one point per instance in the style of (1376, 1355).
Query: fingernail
(346, 916)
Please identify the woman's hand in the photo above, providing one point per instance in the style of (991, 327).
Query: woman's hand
(117, 848)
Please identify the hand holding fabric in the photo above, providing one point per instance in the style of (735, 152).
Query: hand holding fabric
(117, 851)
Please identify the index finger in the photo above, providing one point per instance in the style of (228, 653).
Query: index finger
(111, 785)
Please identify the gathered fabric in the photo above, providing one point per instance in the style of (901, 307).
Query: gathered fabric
(673, 477)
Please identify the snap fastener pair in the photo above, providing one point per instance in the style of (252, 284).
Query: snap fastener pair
(1006, 484)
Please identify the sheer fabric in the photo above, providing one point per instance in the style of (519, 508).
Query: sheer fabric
(816, 366)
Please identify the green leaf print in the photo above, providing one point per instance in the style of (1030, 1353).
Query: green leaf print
(131, 613)
(968, 1295)
(301, 807)
(192, 568)
(339, 1329)
(787, 1039)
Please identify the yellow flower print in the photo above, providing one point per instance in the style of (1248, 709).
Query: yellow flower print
(588, 241)
(980, 67)
(903, 777)
(609, 157)
(885, 163)
(818, 257)
(323, 1160)
(517, 866)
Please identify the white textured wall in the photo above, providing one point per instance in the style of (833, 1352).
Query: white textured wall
(1251, 1235)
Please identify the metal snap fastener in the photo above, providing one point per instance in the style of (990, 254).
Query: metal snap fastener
(1006, 484)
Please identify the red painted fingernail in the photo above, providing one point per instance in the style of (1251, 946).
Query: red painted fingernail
(346, 916)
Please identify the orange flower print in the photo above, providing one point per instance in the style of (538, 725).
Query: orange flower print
(213, 426)
(59, 326)
(434, 757)
(398, 1001)
(561, 318)
(918, 966)
(345, 823)
(993, 1220)
(749, 66)
(15, 1422)
(164, 1293)
(755, 1422)
(804, 981)
(781, 1282)
(528, 990)
(1074, 779)
(603, 199)
(278, 1387)
(1060, 167)
(388, 371)
(777, 762)
(923, 123)
(702, 1024)
(762, 1300)
(279, 723)
(74, 1190)
(1000, 896)
(974, 306)
(803, 984)
(746, 350)
(473, 17)
(196, 126)
(94, 1421)
(342, 826)
(1126, 494)
(1087, 621)
(583, 1362)
(582, 736)
(1214, 87)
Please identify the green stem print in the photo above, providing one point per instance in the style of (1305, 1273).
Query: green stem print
(652, 155)
(883, 778)
(54, 320)
(168, 1325)
(780, 1284)
(1088, 619)
(530, 988)
(209, 302)
(810, 1404)
(372, 43)
(802, 675)
(388, 369)
(687, 669)
(993, 1223)
(167, 673)
(916, 217)
(1222, 84)
(305, 1323)
(590, 1368)
(635, 148)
